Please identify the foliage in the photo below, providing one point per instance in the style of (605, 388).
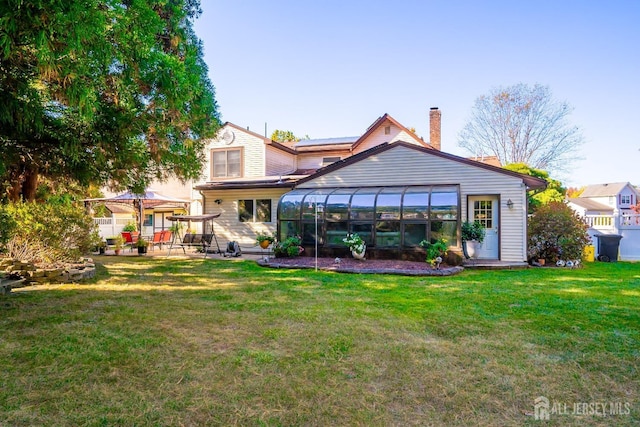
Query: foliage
(104, 92)
(289, 247)
(284, 136)
(265, 238)
(556, 232)
(522, 124)
(118, 241)
(573, 192)
(554, 192)
(142, 243)
(131, 226)
(355, 243)
(435, 250)
(50, 233)
(472, 231)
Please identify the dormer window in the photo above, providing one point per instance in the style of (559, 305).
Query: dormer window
(625, 199)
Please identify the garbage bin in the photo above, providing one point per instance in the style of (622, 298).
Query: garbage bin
(608, 245)
(589, 253)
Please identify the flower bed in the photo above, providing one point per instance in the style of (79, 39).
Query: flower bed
(373, 266)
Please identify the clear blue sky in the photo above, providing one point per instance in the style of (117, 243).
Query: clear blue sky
(331, 68)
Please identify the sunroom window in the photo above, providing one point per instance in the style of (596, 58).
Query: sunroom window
(385, 217)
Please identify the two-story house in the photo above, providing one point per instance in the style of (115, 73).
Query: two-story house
(388, 185)
(607, 209)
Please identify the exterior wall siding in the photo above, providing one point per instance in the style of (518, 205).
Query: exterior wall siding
(227, 227)
(253, 154)
(314, 160)
(379, 137)
(423, 169)
(278, 162)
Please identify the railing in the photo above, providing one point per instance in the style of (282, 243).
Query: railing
(599, 221)
(611, 222)
(629, 220)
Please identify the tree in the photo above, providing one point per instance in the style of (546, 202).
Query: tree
(284, 136)
(522, 124)
(573, 192)
(554, 192)
(101, 91)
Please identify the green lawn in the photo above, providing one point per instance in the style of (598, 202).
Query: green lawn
(214, 342)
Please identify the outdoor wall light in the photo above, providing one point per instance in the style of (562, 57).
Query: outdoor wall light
(217, 201)
(509, 204)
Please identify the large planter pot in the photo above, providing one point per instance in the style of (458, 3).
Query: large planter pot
(359, 255)
(117, 251)
(142, 250)
(265, 244)
(469, 248)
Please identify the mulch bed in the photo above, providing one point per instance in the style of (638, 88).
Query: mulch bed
(373, 266)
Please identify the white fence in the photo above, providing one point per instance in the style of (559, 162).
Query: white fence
(108, 226)
(626, 225)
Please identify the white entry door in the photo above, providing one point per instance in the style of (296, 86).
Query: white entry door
(485, 209)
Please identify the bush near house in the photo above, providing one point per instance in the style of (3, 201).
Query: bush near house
(47, 233)
(556, 232)
(289, 247)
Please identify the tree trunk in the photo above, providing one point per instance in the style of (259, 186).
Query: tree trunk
(30, 183)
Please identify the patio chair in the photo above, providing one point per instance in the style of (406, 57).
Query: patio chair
(156, 240)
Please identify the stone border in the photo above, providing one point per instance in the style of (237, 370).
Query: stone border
(21, 273)
(448, 271)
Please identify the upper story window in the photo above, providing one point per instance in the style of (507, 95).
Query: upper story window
(625, 199)
(328, 160)
(387, 130)
(226, 163)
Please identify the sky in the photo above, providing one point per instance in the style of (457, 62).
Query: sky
(331, 68)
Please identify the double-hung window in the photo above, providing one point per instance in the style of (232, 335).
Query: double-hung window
(226, 163)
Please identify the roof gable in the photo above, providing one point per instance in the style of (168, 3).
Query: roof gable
(381, 121)
(607, 189)
(266, 140)
(530, 181)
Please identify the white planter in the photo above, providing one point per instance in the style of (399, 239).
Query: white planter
(359, 255)
(472, 248)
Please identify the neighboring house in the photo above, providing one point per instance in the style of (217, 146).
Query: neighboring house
(607, 210)
(388, 185)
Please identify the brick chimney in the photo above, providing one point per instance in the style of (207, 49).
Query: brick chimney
(434, 127)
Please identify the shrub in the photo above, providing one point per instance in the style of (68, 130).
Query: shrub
(472, 231)
(46, 233)
(556, 232)
(289, 247)
(435, 250)
(7, 227)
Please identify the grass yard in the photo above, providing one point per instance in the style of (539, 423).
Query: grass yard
(216, 342)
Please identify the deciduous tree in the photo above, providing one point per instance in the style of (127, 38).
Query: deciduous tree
(554, 192)
(522, 124)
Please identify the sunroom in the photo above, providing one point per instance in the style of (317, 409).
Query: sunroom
(391, 220)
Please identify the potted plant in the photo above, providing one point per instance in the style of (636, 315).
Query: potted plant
(472, 235)
(102, 247)
(289, 247)
(356, 245)
(142, 246)
(131, 226)
(435, 251)
(264, 240)
(118, 242)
